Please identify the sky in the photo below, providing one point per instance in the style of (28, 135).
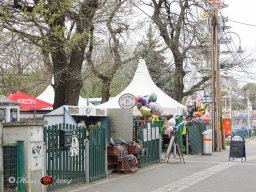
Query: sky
(243, 11)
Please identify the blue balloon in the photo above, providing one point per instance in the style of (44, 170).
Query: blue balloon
(145, 100)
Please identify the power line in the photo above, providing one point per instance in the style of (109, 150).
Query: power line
(242, 23)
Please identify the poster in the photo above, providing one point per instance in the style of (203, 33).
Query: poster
(74, 149)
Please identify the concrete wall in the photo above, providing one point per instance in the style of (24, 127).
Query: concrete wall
(31, 132)
(120, 124)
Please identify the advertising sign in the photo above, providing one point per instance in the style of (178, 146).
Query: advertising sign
(227, 127)
(127, 101)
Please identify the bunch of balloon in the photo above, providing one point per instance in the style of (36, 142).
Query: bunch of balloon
(201, 110)
(148, 107)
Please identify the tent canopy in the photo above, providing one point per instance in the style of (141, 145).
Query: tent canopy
(141, 85)
(48, 96)
(27, 102)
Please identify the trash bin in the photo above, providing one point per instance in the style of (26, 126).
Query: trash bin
(207, 142)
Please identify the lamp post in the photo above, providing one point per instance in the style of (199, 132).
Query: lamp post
(228, 40)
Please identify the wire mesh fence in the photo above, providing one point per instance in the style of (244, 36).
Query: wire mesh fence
(10, 167)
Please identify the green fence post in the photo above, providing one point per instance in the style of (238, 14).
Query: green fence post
(1, 158)
(87, 163)
(21, 165)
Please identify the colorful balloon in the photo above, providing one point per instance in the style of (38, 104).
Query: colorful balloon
(145, 100)
(155, 118)
(153, 97)
(203, 106)
(145, 111)
(198, 113)
(138, 99)
(155, 108)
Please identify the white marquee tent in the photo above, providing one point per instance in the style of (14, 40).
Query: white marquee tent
(141, 85)
(48, 96)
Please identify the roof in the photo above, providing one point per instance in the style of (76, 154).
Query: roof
(141, 85)
(5, 101)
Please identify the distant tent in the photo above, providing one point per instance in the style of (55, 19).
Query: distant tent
(141, 85)
(28, 103)
(48, 96)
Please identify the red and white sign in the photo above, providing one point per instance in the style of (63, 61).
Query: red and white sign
(127, 101)
(227, 126)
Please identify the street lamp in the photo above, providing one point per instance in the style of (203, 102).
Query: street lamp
(228, 40)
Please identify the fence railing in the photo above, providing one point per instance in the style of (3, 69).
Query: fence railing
(246, 133)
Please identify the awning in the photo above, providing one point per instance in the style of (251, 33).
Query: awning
(28, 103)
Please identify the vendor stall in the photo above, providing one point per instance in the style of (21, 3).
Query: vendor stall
(76, 115)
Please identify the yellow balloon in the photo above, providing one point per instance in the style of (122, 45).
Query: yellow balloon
(145, 112)
(155, 118)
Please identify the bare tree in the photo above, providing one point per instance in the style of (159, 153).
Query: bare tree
(21, 67)
(105, 68)
(61, 29)
(179, 28)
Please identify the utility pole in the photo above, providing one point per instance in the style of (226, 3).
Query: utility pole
(215, 72)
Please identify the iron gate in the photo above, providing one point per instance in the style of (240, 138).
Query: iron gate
(65, 166)
(97, 152)
(149, 134)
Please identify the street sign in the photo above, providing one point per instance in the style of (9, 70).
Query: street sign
(127, 101)
(237, 147)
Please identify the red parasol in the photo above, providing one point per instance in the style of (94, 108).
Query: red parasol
(27, 102)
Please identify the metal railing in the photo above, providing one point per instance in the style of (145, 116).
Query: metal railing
(246, 133)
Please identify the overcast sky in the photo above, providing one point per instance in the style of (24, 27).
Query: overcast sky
(242, 19)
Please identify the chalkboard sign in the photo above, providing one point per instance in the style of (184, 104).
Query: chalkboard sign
(237, 147)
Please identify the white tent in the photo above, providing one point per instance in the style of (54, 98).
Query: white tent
(141, 85)
(48, 96)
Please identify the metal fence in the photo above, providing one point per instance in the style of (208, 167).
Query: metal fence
(97, 152)
(69, 163)
(246, 133)
(62, 163)
(149, 134)
(10, 154)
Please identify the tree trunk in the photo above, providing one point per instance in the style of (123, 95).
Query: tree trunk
(59, 69)
(105, 90)
(75, 82)
(178, 83)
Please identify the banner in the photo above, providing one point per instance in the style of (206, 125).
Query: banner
(227, 127)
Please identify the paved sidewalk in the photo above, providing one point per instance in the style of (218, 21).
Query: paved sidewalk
(201, 173)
